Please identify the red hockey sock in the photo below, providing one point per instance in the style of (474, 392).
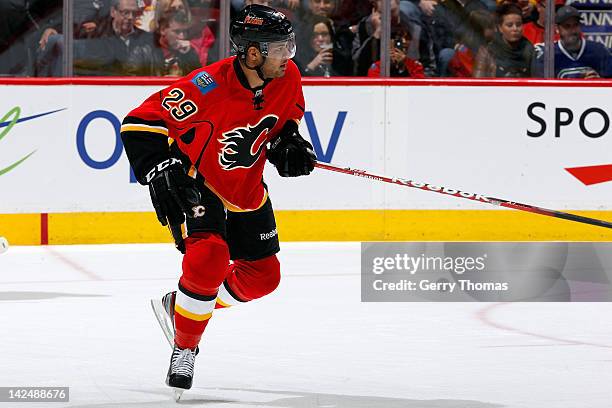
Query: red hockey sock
(204, 268)
(248, 280)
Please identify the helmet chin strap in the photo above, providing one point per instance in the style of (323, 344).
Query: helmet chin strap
(257, 69)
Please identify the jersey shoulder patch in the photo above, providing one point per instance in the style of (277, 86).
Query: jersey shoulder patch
(204, 82)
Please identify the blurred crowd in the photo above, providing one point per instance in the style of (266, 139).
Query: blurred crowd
(429, 38)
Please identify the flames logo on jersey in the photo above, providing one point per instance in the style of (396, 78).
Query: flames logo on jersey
(242, 146)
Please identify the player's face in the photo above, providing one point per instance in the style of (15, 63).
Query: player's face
(511, 28)
(570, 32)
(274, 67)
(278, 54)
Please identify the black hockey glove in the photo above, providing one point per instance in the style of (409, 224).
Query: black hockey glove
(173, 192)
(290, 153)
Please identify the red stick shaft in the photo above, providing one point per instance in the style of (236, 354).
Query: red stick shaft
(468, 196)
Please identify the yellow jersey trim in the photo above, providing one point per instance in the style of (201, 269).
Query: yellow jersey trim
(192, 316)
(222, 303)
(144, 128)
(232, 207)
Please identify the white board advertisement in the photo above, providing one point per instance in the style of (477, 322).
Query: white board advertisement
(61, 151)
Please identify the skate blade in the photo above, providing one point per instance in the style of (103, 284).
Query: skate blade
(178, 393)
(163, 320)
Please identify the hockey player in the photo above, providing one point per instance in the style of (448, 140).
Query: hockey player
(201, 145)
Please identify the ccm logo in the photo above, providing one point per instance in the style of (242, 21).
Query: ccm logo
(160, 167)
(599, 121)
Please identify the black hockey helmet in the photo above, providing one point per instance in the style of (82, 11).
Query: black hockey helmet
(265, 27)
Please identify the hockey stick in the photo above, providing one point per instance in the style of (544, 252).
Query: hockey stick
(470, 196)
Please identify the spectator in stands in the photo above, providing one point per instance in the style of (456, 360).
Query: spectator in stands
(91, 18)
(509, 55)
(163, 8)
(575, 56)
(25, 27)
(448, 23)
(478, 33)
(341, 37)
(350, 12)
(311, 8)
(324, 8)
(317, 58)
(426, 27)
(401, 65)
(144, 20)
(534, 30)
(201, 36)
(145, 17)
(443, 21)
(205, 44)
(109, 54)
(47, 56)
(205, 24)
(290, 4)
(172, 54)
(366, 44)
(527, 8)
(261, 2)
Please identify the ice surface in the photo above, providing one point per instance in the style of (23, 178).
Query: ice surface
(79, 316)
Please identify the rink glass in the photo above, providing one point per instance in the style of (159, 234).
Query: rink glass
(59, 38)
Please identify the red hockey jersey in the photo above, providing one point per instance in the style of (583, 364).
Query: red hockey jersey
(220, 123)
